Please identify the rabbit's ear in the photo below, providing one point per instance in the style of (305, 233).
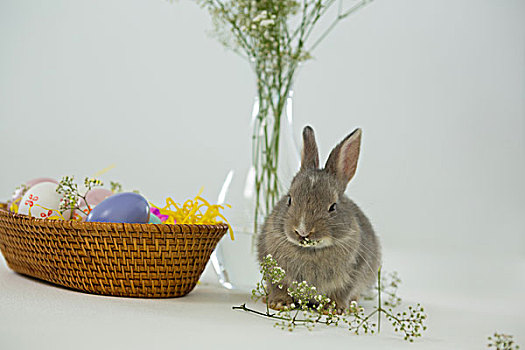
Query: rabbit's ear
(342, 161)
(309, 154)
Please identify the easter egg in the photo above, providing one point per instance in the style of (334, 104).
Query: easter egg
(156, 212)
(154, 219)
(95, 196)
(38, 180)
(78, 215)
(19, 192)
(40, 200)
(127, 207)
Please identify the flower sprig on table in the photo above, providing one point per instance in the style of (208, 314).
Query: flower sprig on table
(500, 341)
(388, 285)
(302, 312)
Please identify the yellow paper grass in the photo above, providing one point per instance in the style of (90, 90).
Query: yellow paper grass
(193, 211)
(14, 205)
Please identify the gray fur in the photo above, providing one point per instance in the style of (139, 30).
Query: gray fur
(347, 259)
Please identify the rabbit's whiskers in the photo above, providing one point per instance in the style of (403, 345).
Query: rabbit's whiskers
(343, 244)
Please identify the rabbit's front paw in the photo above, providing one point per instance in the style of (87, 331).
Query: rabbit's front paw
(329, 309)
(279, 302)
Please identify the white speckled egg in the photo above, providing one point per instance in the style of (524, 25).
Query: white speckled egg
(19, 192)
(41, 199)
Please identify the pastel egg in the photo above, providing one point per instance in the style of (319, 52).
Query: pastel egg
(154, 219)
(41, 200)
(78, 215)
(95, 196)
(38, 180)
(127, 207)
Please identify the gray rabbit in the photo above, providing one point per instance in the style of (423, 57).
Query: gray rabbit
(317, 234)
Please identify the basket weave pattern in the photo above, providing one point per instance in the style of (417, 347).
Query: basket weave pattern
(135, 260)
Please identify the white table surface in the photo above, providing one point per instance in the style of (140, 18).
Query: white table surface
(467, 299)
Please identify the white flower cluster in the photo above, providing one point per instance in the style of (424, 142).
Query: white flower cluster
(264, 19)
(89, 183)
(500, 341)
(71, 196)
(69, 190)
(304, 295)
(271, 271)
(306, 242)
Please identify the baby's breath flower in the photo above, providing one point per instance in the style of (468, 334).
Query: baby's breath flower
(267, 22)
(309, 308)
(90, 183)
(115, 187)
(500, 341)
(262, 15)
(71, 197)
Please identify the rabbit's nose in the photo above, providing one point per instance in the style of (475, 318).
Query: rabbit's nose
(302, 232)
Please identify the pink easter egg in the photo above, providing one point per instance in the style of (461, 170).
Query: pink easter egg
(93, 197)
(96, 196)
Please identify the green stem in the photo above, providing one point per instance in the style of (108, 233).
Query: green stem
(339, 17)
(266, 294)
(272, 93)
(379, 300)
(244, 42)
(243, 307)
(366, 318)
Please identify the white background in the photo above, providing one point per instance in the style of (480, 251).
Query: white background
(437, 86)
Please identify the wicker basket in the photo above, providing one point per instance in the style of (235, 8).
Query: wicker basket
(132, 260)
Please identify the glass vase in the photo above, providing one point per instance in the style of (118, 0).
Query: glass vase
(252, 193)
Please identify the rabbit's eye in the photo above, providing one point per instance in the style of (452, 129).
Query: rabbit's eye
(332, 207)
(289, 202)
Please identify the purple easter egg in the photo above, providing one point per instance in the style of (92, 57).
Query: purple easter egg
(124, 207)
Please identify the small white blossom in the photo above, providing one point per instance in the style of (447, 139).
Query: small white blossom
(267, 22)
(262, 15)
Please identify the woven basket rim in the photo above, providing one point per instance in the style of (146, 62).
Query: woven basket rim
(83, 224)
